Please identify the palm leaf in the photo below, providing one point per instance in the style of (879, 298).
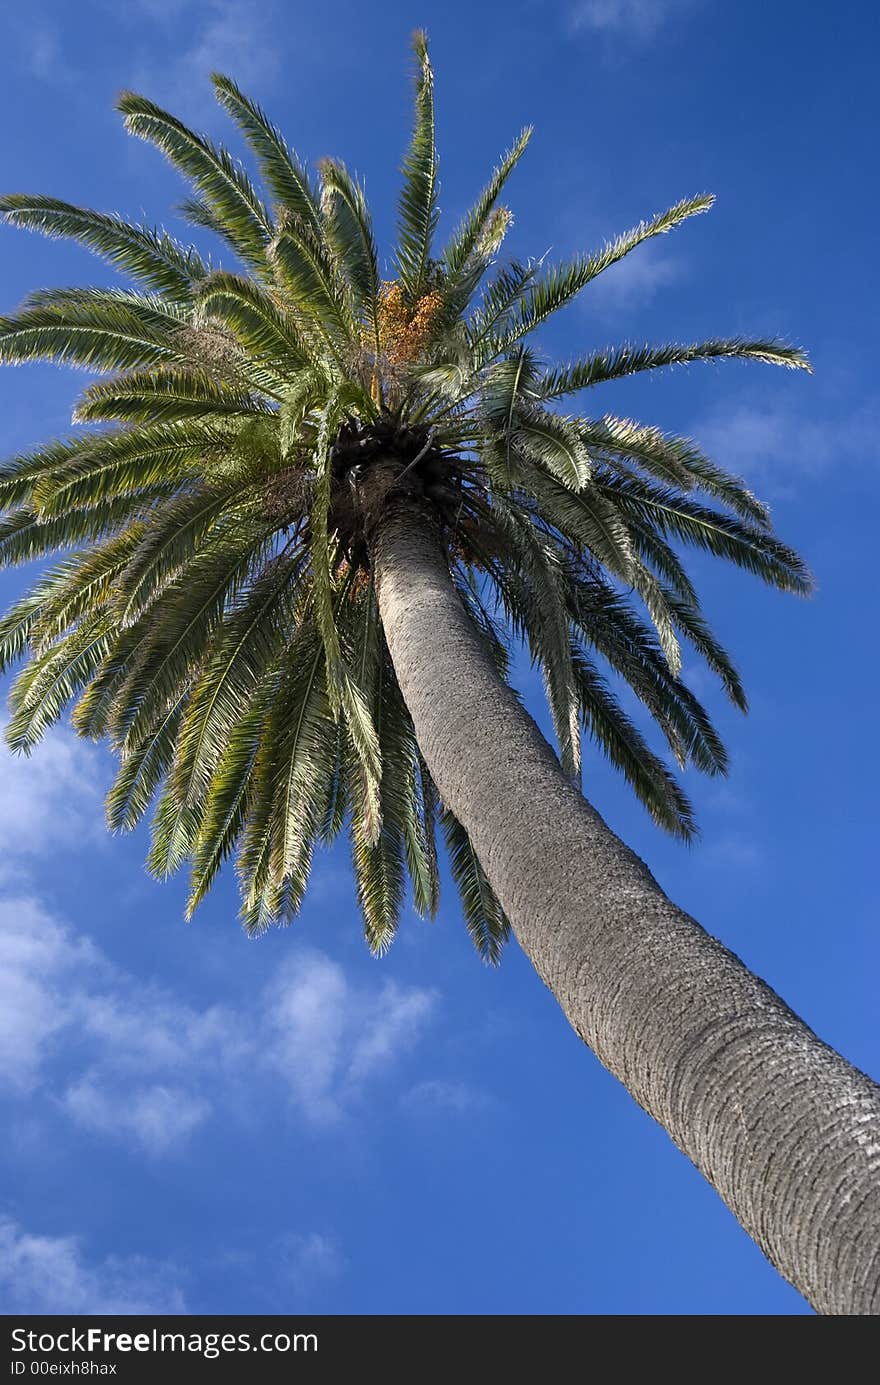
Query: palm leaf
(223, 185)
(152, 257)
(486, 922)
(616, 362)
(418, 211)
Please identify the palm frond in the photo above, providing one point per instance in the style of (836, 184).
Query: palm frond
(618, 361)
(286, 178)
(105, 466)
(469, 253)
(43, 690)
(418, 211)
(672, 461)
(304, 266)
(262, 327)
(142, 768)
(623, 744)
(349, 230)
(220, 182)
(229, 793)
(560, 284)
(152, 257)
(722, 535)
(183, 621)
(486, 921)
(97, 332)
(246, 646)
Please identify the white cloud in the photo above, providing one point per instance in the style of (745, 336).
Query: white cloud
(732, 850)
(631, 283)
(230, 36)
(49, 1274)
(134, 1061)
(42, 52)
(38, 958)
(159, 1034)
(138, 1064)
(330, 1037)
(156, 1117)
(775, 445)
(305, 1262)
(459, 1098)
(627, 20)
(50, 798)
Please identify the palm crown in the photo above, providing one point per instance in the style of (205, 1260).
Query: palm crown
(215, 615)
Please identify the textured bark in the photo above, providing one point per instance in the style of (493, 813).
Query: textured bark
(784, 1128)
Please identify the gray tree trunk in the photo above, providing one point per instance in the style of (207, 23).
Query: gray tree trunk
(784, 1128)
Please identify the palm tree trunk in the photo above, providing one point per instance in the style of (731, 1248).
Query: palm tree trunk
(784, 1128)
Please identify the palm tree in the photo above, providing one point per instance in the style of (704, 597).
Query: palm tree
(322, 509)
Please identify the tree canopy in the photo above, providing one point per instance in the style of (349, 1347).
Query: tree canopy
(210, 609)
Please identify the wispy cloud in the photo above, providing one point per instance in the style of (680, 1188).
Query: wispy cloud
(233, 36)
(155, 1117)
(40, 45)
(307, 1261)
(632, 283)
(42, 51)
(735, 850)
(633, 21)
(330, 1037)
(51, 1274)
(51, 798)
(38, 956)
(774, 445)
(295, 1270)
(138, 1064)
(457, 1098)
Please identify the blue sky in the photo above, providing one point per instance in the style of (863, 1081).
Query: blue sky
(199, 1123)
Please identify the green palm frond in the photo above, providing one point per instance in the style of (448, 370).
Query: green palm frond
(172, 397)
(285, 177)
(418, 211)
(670, 460)
(80, 584)
(559, 285)
(209, 607)
(178, 533)
(500, 300)
(25, 534)
(143, 767)
(619, 361)
(248, 644)
(697, 525)
(486, 921)
(99, 331)
(49, 681)
(476, 241)
(626, 748)
(468, 236)
(152, 257)
(228, 792)
(103, 466)
(221, 183)
(349, 230)
(303, 752)
(304, 266)
(262, 327)
(604, 621)
(182, 622)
